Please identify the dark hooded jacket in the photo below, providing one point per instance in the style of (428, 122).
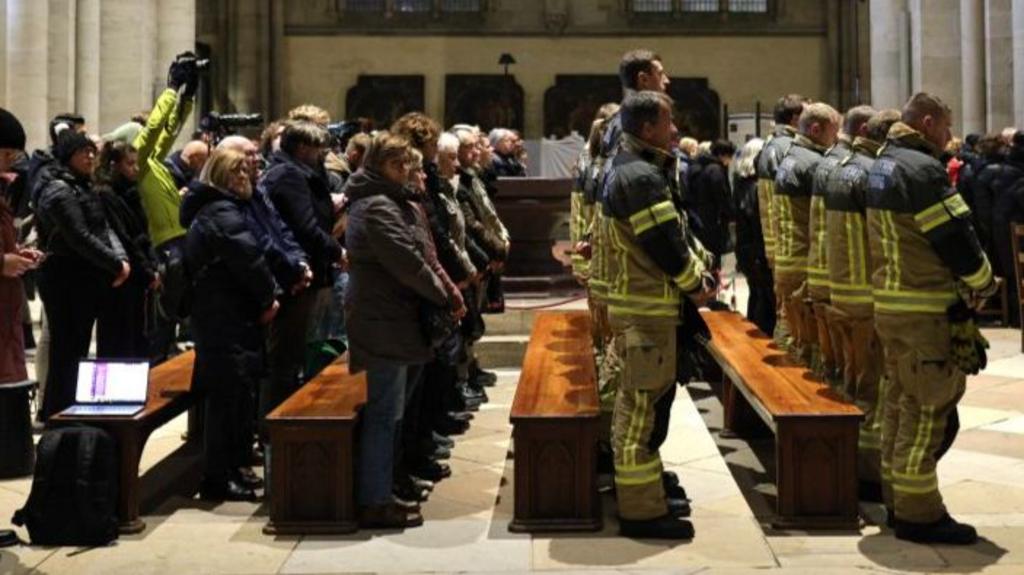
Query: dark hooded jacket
(302, 197)
(390, 278)
(1007, 209)
(709, 195)
(180, 171)
(123, 208)
(232, 282)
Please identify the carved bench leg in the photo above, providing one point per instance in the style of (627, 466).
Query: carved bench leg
(816, 459)
(739, 418)
(312, 479)
(131, 441)
(556, 475)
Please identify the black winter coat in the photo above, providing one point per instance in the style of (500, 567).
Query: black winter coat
(709, 195)
(232, 281)
(302, 196)
(993, 180)
(440, 226)
(1007, 209)
(72, 223)
(750, 254)
(389, 276)
(123, 208)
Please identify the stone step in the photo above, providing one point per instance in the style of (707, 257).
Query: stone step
(519, 313)
(502, 350)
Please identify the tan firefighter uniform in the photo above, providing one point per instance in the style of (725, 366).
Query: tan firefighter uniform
(794, 181)
(922, 245)
(652, 262)
(851, 313)
(775, 149)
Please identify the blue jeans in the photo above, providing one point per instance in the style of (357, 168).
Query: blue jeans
(386, 389)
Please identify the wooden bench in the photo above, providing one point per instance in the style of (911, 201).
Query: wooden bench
(169, 395)
(815, 430)
(555, 417)
(312, 446)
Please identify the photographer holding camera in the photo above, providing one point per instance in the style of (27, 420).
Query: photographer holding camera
(161, 197)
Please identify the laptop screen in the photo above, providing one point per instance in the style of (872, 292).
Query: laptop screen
(112, 381)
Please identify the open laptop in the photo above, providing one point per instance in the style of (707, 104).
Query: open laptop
(110, 387)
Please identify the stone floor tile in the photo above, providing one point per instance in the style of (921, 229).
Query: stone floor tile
(980, 497)
(1012, 366)
(1011, 425)
(992, 442)
(962, 464)
(21, 560)
(871, 549)
(718, 541)
(997, 546)
(972, 417)
(445, 546)
(219, 547)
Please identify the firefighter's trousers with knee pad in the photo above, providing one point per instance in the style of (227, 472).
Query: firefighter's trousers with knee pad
(782, 335)
(648, 351)
(861, 379)
(922, 390)
(791, 287)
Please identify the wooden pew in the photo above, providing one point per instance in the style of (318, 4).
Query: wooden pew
(169, 395)
(312, 448)
(555, 417)
(815, 430)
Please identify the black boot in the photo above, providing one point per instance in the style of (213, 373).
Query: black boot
(673, 489)
(482, 377)
(946, 530)
(665, 527)
(678, 507)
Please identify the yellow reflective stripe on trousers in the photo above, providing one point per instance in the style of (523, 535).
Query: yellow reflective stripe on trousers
(915, 484)
(637, 423)
(980, 278)
(851, 293)
(922, 440)
(909, 301)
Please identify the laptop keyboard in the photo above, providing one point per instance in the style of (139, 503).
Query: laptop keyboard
(104, 410)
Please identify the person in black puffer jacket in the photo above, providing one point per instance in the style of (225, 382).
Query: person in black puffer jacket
(1008, 209)
(298, 187)
(390, 283)
(82, 251)
(235, 297)
(121, 326)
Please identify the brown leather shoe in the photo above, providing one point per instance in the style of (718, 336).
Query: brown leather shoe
(388, 516)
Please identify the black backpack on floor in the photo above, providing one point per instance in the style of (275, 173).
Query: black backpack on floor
(74, 490)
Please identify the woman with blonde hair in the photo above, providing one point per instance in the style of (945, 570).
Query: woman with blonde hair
(234, 297)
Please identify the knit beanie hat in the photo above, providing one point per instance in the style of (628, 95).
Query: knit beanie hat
(68, 143)
(124, 133)
(12, 134)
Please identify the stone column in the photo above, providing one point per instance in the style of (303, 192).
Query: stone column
(999, 60)
(27, 85)
(61, 57)
(127, 51)
(176, 33)
(935, 53)
(889, 80)
(972, 65)
(1018, 62)
(87, 60)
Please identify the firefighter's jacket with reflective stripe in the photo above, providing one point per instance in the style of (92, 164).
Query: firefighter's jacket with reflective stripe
(768, 162)
(581, 211)
(817, 252)
(653, 257)
(922, 241)
(849, 258)
(793, 183)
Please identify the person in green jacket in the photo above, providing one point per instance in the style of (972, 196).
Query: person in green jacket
(161, 199)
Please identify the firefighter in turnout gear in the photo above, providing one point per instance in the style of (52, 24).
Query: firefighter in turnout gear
(794, 181)
(851, 314)
(786, 115)
(924, 255)
(653, 262)
(830, 358)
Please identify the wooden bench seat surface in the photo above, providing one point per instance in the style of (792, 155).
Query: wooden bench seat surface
(333, 394)
(558, 377)
(169, 383)
(785, 387)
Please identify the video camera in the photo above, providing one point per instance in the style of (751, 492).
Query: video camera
(221, 125)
